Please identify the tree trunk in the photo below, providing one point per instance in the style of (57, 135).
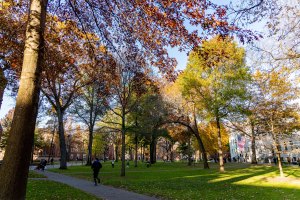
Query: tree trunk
(51, 144)
(89, 157)
(189, 153)
(62, 140)
(116, 153)
(153, 150)
(142, 153)
(253, 148)
(136, 151)
(221, 162)
(195, 131)
(3, 83)
(171, 153)
(130, 153)
(202, 149)
(14, 170)
(123, 144)
(277, 152)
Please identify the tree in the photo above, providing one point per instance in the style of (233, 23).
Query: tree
(14, 170)
(129, 86)
(216, 79)
(278, 112)
(183, 112)
(6, 124)
(210, 137)
(184, 137)
(64, 71)
(12, 28)
(149, 117)
(93, 98)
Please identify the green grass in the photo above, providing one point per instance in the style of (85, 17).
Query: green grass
(43, 189)
(178, 181)
(33, 174)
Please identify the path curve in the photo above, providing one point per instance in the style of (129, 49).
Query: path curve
(104, 192)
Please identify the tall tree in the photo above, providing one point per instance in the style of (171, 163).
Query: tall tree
(14, 170)
(129, 86)
(216, 78)
(184, 112)
(278, 111)
(92, 100)
(150, 116)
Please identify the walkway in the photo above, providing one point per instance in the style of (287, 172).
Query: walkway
(104, 192)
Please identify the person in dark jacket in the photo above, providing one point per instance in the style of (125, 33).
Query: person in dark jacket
(96, 166)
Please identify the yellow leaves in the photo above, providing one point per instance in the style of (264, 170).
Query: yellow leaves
(103, 49)
(61, 25)
(209, 135)
(4, 5)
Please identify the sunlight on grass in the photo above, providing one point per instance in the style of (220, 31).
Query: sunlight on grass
(224, 177)
(179, 181)
(271, 179)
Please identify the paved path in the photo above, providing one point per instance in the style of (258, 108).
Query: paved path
(104, 192)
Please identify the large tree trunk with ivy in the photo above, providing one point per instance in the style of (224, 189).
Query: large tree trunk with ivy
(14, 171)
(220, 151)
(62, 140)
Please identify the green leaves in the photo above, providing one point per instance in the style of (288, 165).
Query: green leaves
(216, 76)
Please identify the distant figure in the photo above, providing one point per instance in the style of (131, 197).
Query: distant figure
(96, 166)
(113, 164)
(275, 160)
(289, 160)
(51, 161)
(42, 164)
(234, 159)
(127, 165)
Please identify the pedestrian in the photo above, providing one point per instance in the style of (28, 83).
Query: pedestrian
(96, 166)
(52, 161)
(43, 164)
(289, 160)
(275, 160)
(113, 164)
(127, 164)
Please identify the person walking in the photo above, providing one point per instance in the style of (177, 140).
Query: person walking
(96, 166)
(112, 163)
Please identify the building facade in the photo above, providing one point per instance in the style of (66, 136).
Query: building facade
(240, 147)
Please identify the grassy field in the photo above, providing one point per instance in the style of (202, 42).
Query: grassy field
(44, 189)
(178, 181)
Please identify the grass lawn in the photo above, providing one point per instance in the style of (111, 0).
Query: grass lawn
(45, 189)
(179, 181)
